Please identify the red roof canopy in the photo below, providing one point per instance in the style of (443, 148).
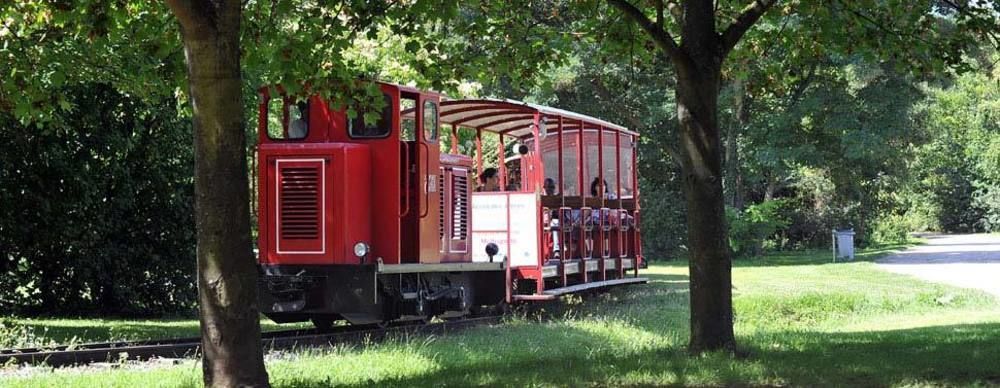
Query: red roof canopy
(514, 118)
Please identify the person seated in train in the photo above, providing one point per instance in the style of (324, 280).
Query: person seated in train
(598, 186)
(595, 187)
(514, 183)
(489, 180)
(549, 186)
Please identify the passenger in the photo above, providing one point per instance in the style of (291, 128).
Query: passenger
(598, 186)
(595, 187)
(549, 186)
(514, 177)
(488, 180)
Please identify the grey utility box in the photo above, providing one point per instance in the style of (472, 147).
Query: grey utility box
(843, 244)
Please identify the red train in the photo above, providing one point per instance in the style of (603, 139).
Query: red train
(373, 222)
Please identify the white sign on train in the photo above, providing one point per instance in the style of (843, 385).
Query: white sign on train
(489, 225)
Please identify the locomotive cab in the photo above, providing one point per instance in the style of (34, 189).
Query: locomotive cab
(341, 198)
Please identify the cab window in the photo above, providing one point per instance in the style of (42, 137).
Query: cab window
(408, 115)
(287, 120)
(430, 120)
(357, 128)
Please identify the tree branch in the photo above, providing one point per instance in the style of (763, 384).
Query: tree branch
(659, 35)
(890, 32)
(796, 95)
(188, 14)
(659, 13)
(748, 17)
(634, 121)
(964, 10)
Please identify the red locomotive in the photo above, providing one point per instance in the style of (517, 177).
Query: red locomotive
(373, 222)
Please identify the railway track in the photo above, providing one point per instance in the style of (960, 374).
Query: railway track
(189, 347)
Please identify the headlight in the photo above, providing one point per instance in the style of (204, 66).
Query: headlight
(361, 249)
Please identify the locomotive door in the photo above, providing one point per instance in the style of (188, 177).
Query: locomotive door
(420, 227)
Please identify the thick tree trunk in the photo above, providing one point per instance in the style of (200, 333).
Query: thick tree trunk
(698, 64)
(710, 264)
(227, 277)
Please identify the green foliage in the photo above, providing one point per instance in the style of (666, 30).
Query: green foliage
(956, 169)
(890, 229)
(635, 95)
(103, 215)
(15, 335)
(988, 199)
(750, 227)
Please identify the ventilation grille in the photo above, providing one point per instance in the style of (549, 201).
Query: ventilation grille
(441, 205)
(460, 207)
(299, 203)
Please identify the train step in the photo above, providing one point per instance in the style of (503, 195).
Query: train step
(557, 292)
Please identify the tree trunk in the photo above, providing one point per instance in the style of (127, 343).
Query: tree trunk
(771, 188)
(734, 179)
(698, 65)
(710, 264)
(227, 277)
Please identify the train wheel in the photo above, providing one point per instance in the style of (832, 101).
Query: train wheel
(323, 324)
(503, 308)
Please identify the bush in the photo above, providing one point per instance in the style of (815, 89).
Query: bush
(890, 229)
(750, 228)
(988, 201)
(103, 221)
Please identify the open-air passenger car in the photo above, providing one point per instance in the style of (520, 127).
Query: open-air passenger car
(372, 222)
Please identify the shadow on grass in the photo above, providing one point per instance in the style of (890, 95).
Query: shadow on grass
(636, 335)
(943, 355)
(65, 331)
(666, 282)
(818, 257)
(809, 257)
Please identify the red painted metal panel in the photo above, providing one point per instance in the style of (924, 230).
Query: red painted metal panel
(315, 202)
(300, 199)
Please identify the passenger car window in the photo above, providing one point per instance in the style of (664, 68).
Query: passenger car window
(430, 120)
(357, 128)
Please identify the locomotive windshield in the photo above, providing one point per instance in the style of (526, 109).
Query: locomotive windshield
(430, 120)
(357, 128)
(287, 120)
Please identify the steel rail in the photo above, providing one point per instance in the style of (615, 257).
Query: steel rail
(122, 344)
(189, 347)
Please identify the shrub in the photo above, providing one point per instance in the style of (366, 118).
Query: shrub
(750, 228)
(97, 215)
(890, 229)
(988, 201)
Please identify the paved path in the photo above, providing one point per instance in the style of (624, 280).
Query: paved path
(963, 260)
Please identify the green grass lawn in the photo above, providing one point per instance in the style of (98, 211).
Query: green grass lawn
(800, 321)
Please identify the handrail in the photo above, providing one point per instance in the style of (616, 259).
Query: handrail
(254, 200)
(406, 179)
(427, 162)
